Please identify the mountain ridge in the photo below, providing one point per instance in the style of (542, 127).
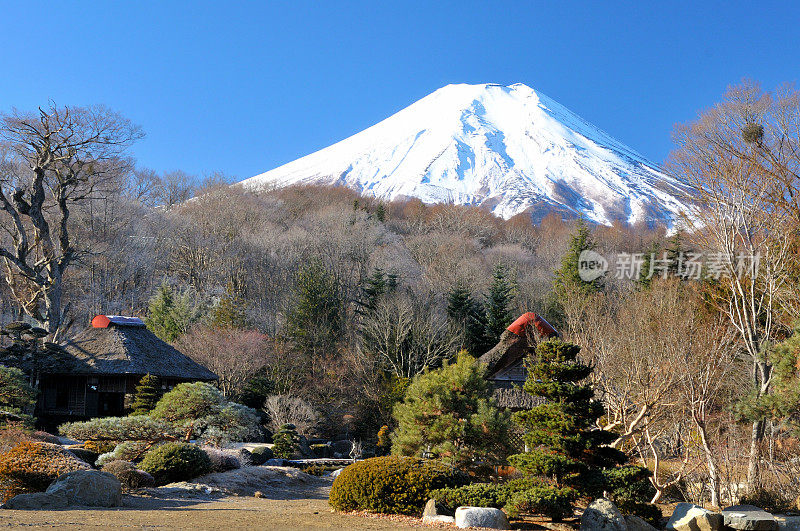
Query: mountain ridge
(508, 148)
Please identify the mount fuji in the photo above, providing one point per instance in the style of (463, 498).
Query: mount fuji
(508, 149)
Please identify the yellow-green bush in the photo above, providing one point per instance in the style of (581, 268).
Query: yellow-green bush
(32, 466)
(393, 484)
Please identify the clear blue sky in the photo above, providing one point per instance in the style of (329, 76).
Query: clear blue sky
(242, 87)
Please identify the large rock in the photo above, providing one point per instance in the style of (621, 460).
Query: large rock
(634, 523)
(602, 515)
(691, 517)
(749, 517)
(434, 508)
(438, 519)
(488, 517)
(83, 488)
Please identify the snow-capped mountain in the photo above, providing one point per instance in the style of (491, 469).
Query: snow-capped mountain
(506, 148)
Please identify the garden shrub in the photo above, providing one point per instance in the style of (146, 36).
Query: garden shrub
(110, 430)
(128, 475)
(100, 447)
(393, 484)
(126, 451)
(628, 486)
(32, 466)
(221, 460)
(285, 442)
(551, 501)
(173, 461)
(261, 454)
(474, 495)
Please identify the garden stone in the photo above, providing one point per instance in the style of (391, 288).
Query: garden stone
(488, 517)
(788, 523)
(691, 517)
(749, 517)
(602, 515)
(335, 473)
(83, 488)
(634, 523)
(434, 508)
(438, 519)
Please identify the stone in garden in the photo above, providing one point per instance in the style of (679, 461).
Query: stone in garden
(434, 508)
(602, 515)
(788, 523)
(488, 517)
(439, 519)
(335, 473)
(749, 517)
(83, 488)
(634, 523)
(691, 517)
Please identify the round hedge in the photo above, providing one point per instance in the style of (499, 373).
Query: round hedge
(32, 466)
(392, 484)
(174, 461)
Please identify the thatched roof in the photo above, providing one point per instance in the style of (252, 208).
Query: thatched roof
(121, 349)
(511, 396)
(516, 342)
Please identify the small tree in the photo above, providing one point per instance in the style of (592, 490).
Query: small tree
(285, 442)
(170, 312)
(229, 311)
(565, 448)
(147, 394)
(568, 279)
(498, 304)
(17, 397)
(448, 412)
(468, 317)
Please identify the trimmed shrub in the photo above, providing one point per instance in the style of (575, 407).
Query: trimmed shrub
(261, 454)
(555, 502)
(628, 486)
(285, 442)
(125, 451)
(221, 460)
(32, 466)
(474, 495)
(172, 462)
(393, 484)
(127, 474)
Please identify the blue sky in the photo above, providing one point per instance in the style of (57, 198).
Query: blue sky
(242, 87)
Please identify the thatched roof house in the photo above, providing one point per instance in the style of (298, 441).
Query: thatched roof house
(505, 363)
(101, 366)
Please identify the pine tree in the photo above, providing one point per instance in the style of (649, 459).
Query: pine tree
(380, 213)
(148, 392)
(448, 412)
(285, 442)
(314, 317)
(373, 288)
(568, 279)
(565, 447)
(468, 317)
(229, 311)
(170, 313)
(498, 304)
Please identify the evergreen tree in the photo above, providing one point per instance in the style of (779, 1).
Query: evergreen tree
(448, 412)
(170, 313)
(468, 317)
(565, 447)
(498, 304)
(645, 276)
(229, 311)
(373, 288)
(380, 213)
(314, 317)
(285, 442)
(568, 279)
(148, 393)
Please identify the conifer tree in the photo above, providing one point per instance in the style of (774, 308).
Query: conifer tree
(568, 279)
(229, 312)
(285, 442)
(170, 312)
(314, 317)
(498, 304)
(564, 446)
(148, 392)
(468, 316)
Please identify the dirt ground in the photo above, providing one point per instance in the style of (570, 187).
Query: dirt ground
(225, 513)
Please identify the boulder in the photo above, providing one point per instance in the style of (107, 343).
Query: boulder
(749, 517)
(438, 519)
(691, 517)
(434, 508)
(83, 488)
(602, 515)
(488, 517)
(335, 473)
(634, 523)
(788, 523)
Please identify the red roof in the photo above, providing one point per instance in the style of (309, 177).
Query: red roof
(543, 327)
(103, 321)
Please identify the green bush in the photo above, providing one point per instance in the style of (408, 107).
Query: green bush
(628, 486)
(172, 462)
(285, 442)
(555, 502)
(393, 484)
(261, 454)
(474, 495)
(32, 466)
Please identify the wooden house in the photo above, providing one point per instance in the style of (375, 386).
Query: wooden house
(505, 363)
(101, 366)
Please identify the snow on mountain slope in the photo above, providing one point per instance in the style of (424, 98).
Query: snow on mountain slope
(506, 148)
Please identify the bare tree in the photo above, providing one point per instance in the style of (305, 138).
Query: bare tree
(287, 409)
(53, 161)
